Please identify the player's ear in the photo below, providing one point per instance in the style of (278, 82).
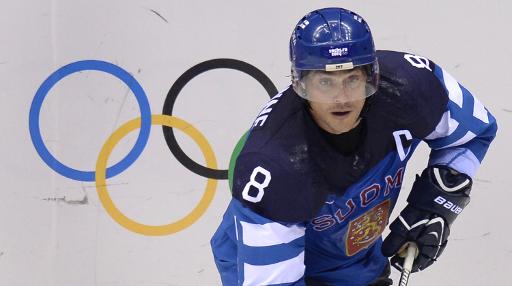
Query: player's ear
(302, 85)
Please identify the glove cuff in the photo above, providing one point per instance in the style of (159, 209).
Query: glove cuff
(441, 190)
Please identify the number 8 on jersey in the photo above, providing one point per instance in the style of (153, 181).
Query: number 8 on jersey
(253, 183)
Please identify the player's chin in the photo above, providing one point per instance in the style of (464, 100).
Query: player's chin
(344, 123)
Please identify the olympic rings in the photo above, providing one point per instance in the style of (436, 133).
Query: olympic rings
(55, 77)
(178, 86)
(130, 224)
(144, 122)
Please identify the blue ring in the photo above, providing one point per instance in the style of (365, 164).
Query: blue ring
(35, 110)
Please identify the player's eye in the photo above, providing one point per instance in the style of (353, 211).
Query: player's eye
(325, 81)
(353, 81)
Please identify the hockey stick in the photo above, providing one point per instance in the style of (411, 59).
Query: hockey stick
(408, 262)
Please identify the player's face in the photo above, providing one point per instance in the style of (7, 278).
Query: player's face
(341, 114)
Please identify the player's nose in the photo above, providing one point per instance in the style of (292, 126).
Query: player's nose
(340, 96)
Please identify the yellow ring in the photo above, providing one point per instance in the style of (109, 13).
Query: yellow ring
(154, 230)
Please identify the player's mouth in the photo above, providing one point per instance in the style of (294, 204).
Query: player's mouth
(340, 113)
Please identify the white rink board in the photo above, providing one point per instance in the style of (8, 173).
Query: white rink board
(54, 230)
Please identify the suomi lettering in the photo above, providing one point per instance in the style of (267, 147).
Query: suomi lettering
(366, 197)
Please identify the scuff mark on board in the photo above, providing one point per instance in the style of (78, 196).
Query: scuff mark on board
(159, 15)
(84, 187)
(475, 237)
(83, 201)
(483, 180)
(125, 96)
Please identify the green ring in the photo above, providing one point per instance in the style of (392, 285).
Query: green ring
(234, 155)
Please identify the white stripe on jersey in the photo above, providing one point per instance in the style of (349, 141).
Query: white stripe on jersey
(287, 271)
(479, 111)
(455, 95)
(236, 228)
(269, 234)
(465, 139)
(445, 127)
(454, 90)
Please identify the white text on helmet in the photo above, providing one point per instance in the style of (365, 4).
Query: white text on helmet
(304, 24)
(338, 52)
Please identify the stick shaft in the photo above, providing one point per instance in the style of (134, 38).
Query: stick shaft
(408, 262)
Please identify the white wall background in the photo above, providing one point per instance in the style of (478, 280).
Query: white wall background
(54, 230)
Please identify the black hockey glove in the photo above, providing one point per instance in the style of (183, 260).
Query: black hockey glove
(436, 198)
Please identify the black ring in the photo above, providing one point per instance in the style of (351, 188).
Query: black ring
(176, 89)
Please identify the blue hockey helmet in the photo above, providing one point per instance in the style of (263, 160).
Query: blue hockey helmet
(333, 40)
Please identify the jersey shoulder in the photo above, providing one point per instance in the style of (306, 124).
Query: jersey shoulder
(280, 190)
(283, 109)
(274, 174)
(410, 91)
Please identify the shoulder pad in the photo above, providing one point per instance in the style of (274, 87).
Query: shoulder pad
(411, 91)
(275, 190)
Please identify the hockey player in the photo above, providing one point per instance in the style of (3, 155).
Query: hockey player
(322, 167)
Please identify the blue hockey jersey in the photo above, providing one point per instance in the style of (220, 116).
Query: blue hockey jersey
(302, 209)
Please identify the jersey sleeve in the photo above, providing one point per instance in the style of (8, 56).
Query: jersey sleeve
(252, 250)
(465, 130)
(268, 252)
